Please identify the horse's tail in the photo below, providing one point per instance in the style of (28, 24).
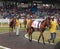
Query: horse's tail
(30, 29)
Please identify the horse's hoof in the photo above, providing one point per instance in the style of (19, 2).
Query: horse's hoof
(30, 40)
(38, 42)
(44, 43)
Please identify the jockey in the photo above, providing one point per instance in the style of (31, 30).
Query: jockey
(53, 28)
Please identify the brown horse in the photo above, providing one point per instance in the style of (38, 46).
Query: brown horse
(43, 25)
(58, 20)
(25, 22)
(12, 25)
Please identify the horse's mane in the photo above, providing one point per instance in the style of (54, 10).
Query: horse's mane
(42, 21)
(46, 19)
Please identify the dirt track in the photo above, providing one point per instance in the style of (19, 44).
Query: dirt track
(20, 42)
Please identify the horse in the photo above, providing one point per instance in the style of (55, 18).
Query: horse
(25, 22)
(12, 25)
(58, 20)
(41, 28)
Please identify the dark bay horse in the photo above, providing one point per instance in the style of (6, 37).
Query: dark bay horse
(12, 25)
(25, 22)
(58, 21)
(43, 25)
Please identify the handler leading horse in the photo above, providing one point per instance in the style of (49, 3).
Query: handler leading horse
(42, 26)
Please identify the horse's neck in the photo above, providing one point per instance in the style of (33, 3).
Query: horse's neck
(44, 23)
(31, 21)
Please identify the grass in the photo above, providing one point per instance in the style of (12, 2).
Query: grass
(35, 35)
(1, 48)
(6, 29)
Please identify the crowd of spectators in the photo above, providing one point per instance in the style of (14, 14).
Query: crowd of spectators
(29, 12)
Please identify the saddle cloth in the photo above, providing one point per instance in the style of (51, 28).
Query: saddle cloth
(36, 24)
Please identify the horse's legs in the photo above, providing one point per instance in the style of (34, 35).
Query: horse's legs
(28, 30)
(32, 30)
(30, 34)
(30, 37)
(43, 38)
(39, 37)
(24, 25)
(10, 31)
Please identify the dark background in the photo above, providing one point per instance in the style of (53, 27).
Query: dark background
(31, 1)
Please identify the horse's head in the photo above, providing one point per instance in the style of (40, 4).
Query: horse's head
(48, 21)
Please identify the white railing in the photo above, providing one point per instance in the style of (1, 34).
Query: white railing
(21, 21)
